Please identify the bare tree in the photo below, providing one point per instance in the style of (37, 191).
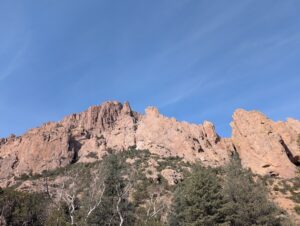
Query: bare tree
(72, 187)
(155, 206)
(69, 196)
(96, 191)
(122, 193)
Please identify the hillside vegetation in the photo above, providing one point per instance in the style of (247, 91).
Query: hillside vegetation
(135, 187)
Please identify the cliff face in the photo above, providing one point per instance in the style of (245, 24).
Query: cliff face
(266, 147)
(87, 136)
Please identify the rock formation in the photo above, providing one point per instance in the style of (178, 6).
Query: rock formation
(168, 137)
(265, 146)
(87, 136)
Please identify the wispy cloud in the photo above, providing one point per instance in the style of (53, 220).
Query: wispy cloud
(184, 52)
(190, 87)
(213, 24)
(14, 62)
(181, 91)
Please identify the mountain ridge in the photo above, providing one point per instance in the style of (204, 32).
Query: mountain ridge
(264, 146)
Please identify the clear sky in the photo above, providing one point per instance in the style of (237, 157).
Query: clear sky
(195, 60)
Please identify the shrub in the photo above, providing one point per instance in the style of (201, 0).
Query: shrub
(276, 188)
(150, 223)
(92, 155)
(297, 209)
(20, 208)
(59, 216)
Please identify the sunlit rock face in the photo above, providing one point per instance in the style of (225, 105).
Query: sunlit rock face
(87, 136)
(264, 146)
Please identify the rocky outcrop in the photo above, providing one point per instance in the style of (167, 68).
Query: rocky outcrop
(172, 176)
(87, 136)
(264, 146)
(168, 137)
(290, 131)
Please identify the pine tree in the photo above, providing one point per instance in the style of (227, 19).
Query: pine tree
(246, 200)
(198, 200)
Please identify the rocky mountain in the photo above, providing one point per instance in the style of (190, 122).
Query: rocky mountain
(264, 146)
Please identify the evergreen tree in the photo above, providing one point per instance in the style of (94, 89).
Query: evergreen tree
(20, 208)
(246, 200)
(198, 200)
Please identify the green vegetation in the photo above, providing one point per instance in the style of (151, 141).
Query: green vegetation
(78, 167)
(226, 196)
(246, 201)
(171, 162)
(199, 200)
(127, 188)
(290, 187)
(58, 216)
(19, 208)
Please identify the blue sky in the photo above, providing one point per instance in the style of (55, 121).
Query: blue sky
(195, 60)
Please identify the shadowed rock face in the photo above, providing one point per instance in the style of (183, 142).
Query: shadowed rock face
(264, 146)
